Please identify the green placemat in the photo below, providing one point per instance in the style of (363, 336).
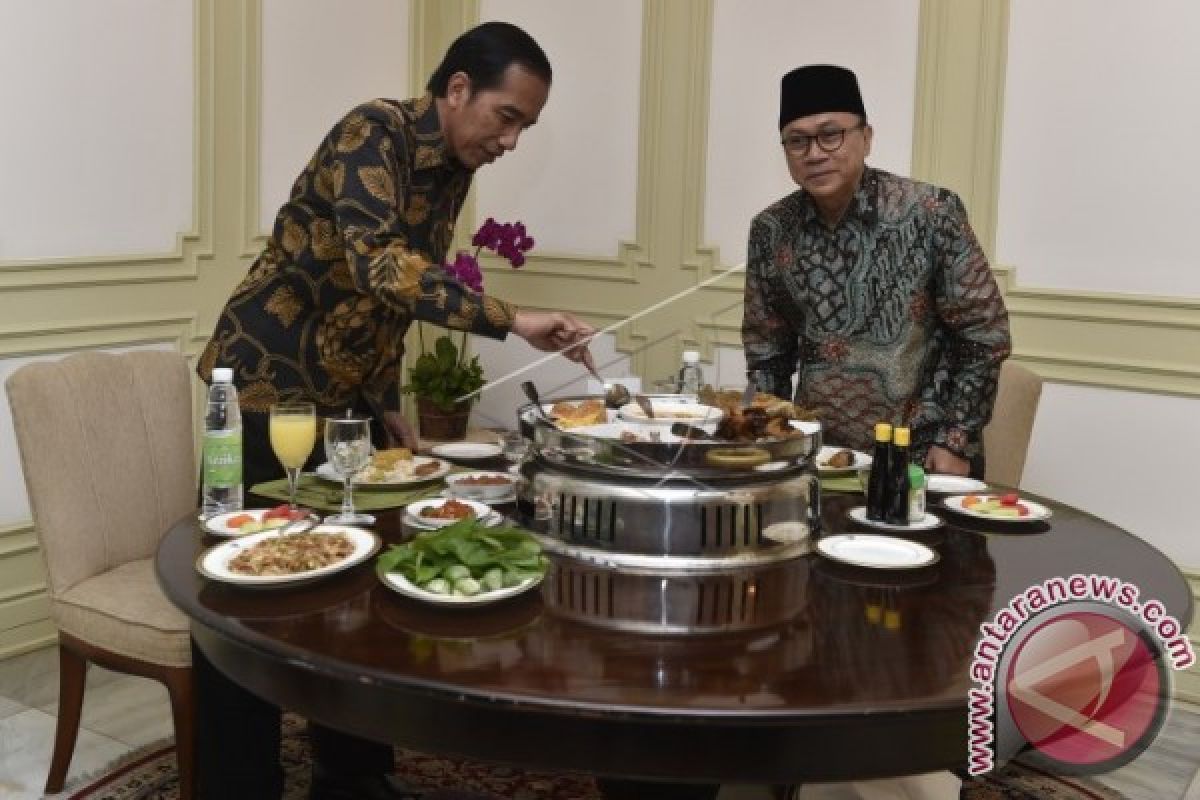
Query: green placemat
(316, 493)
(842, 483)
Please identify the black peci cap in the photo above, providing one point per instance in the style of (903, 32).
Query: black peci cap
(816, 89)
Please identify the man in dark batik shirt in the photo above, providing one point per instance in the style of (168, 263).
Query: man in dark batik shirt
(353, 259)
(871, 289)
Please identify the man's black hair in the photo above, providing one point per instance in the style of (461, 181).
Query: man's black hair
(485, 52)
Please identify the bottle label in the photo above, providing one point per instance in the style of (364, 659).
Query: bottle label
(223, 458)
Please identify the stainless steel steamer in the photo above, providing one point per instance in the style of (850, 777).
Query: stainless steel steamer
(653, 537)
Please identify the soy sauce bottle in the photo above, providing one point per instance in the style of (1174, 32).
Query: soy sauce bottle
(877, 482)
(895, 509)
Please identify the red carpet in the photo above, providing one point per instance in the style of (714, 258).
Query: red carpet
(150, 775)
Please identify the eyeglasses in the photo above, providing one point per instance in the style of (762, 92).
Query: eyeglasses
(798, 144)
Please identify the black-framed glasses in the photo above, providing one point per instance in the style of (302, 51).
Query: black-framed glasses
(830, 141)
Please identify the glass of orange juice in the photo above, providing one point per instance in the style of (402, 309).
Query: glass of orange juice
(293, 433)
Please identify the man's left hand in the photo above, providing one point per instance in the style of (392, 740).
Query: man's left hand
(941, 461)
(399, 430)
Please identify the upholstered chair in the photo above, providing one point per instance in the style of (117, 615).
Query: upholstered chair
(1006, 437)
(106, 449)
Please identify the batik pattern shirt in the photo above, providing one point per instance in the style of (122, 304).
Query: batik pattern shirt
(353, 259)
(890, 315)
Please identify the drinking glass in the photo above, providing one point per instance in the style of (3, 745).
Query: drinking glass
(348, 448)
(293, 434)
(515, 446)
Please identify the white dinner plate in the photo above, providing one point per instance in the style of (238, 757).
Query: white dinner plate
(219, 525)
(467, 451)
(953, 484)
(326, 472)
(213, 563)
(1037, 511)
(668, 412)
(876, 552)
(926, 523)
(398, 583)
(826, 452)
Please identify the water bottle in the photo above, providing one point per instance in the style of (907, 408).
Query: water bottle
(221, 469)
(690, 376)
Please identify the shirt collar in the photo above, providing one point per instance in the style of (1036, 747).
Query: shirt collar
(431, 142)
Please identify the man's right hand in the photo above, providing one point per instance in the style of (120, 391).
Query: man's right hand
(556, 331)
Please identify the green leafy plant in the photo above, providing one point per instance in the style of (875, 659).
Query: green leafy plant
(443, 376)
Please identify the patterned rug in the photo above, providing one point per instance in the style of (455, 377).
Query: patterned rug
(149, 774)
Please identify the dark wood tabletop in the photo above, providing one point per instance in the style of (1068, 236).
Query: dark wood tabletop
(869, 679)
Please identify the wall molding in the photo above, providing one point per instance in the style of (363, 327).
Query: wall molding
(180, 262)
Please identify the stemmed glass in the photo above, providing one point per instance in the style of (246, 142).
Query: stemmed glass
(293, 433)
(348, 448)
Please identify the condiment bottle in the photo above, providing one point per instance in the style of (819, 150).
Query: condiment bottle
(690, 376)
(895, 501)
(916, 493)
(878, 479)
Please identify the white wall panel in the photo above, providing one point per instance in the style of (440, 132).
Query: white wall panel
(1099, 165)
(752, 50)
(1124, 456)
(505, 361)
(96, 145)
(320, 58)
(14, 504)
(573, 177)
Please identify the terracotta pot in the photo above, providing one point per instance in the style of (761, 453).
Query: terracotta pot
(439, 425)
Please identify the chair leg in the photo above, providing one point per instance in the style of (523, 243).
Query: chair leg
(72, 673)
(179, 689)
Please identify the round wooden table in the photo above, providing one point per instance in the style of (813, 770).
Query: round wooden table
(869, 679)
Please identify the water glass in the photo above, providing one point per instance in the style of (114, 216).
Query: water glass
(348, 449)
(515, 445)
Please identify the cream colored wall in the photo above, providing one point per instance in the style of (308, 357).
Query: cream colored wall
(645, 161)
(135, 212)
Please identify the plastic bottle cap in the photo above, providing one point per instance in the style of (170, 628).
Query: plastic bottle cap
(901, 437)
(916, 476)
(222, 375)
(691, 357)
(883, 432)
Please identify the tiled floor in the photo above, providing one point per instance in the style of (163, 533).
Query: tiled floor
(122, 713)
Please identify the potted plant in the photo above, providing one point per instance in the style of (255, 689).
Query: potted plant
(438, 379)
(443, 381)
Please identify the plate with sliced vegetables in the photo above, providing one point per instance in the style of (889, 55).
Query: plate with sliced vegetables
(464, 564)
(1009, 507)
(256, 520)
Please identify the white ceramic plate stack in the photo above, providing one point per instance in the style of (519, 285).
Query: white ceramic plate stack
(458, 485)
(214, 562)
(412, 513)
(467, 451)
(876, 552)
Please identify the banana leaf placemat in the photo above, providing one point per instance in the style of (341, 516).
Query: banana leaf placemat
(313, 492)
(841, 483)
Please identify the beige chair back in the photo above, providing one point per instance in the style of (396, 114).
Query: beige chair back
(106, 449)
(1006, 437)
